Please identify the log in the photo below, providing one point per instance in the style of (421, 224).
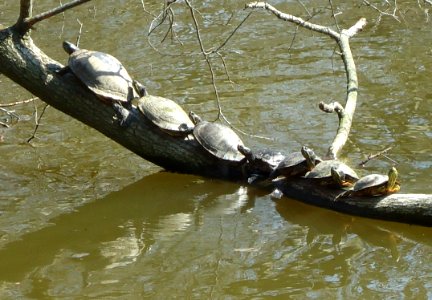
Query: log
(404, 208)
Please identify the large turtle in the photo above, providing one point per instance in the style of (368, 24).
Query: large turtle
(375, 185)
(104, 75)
(297, 163)
(260, 163)
(324, 174)
(166, 114)
(217, 139)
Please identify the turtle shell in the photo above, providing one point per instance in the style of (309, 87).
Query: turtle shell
(262, 161)
(103, 74)
(322, 172)
(219, 140)
(373, 184)
(165, 113)
(293, 165)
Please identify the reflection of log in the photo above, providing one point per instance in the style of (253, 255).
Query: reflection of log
(406, 208)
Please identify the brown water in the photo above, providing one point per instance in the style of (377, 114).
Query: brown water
(81, 217)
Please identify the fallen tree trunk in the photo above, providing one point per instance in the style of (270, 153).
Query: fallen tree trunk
(23, 62)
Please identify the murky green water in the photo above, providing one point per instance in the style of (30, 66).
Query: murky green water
(82, 217)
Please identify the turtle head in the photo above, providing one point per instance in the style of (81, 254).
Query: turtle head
(139, 88)
(247, 152)
(392, 185)
(69, 47)
(338, 176)
(194, 117)
(310, 156)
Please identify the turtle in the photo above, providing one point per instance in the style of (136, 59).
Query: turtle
(375, 185)
(297, 163)
(324, 174)
(105, 76)
(260, 164)
(165, 114)
(217, 139)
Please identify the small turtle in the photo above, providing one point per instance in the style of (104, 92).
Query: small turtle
(217, 139)
(324, 174)
(104, 75)
(166, 114)
(260, 163)
(376, 185)
(297, 163)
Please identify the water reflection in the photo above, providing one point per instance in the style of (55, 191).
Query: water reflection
(170, 231)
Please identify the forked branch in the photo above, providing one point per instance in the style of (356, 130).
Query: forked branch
(342, 39)
(26, 21)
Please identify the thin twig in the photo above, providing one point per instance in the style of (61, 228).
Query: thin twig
(373, 156)
(213, 77)
(334, 15)
(383, 13)
(37, 123)
(232, 33)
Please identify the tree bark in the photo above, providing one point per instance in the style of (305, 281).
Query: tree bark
(23, 62)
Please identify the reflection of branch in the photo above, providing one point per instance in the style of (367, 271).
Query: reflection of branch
(37, 120)
(342, 40)
(25, 21)
(18, 102)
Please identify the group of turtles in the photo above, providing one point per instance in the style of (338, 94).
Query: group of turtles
(107, 78)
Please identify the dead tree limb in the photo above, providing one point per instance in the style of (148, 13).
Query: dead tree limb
(342, 39)
(26, 21)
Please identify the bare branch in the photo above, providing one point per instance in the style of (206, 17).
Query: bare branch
(26, 23)
(294, 19)
(342, 39)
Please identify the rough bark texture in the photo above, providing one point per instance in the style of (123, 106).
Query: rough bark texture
(28, 66)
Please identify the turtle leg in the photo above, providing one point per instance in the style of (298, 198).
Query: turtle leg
(185, 129)
(122, 113)
(63, 71)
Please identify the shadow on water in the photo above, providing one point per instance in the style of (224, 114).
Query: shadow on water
(320, 222)
(157, 198)
(143, 202)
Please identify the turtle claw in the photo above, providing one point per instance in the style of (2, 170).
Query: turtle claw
(122, 114)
